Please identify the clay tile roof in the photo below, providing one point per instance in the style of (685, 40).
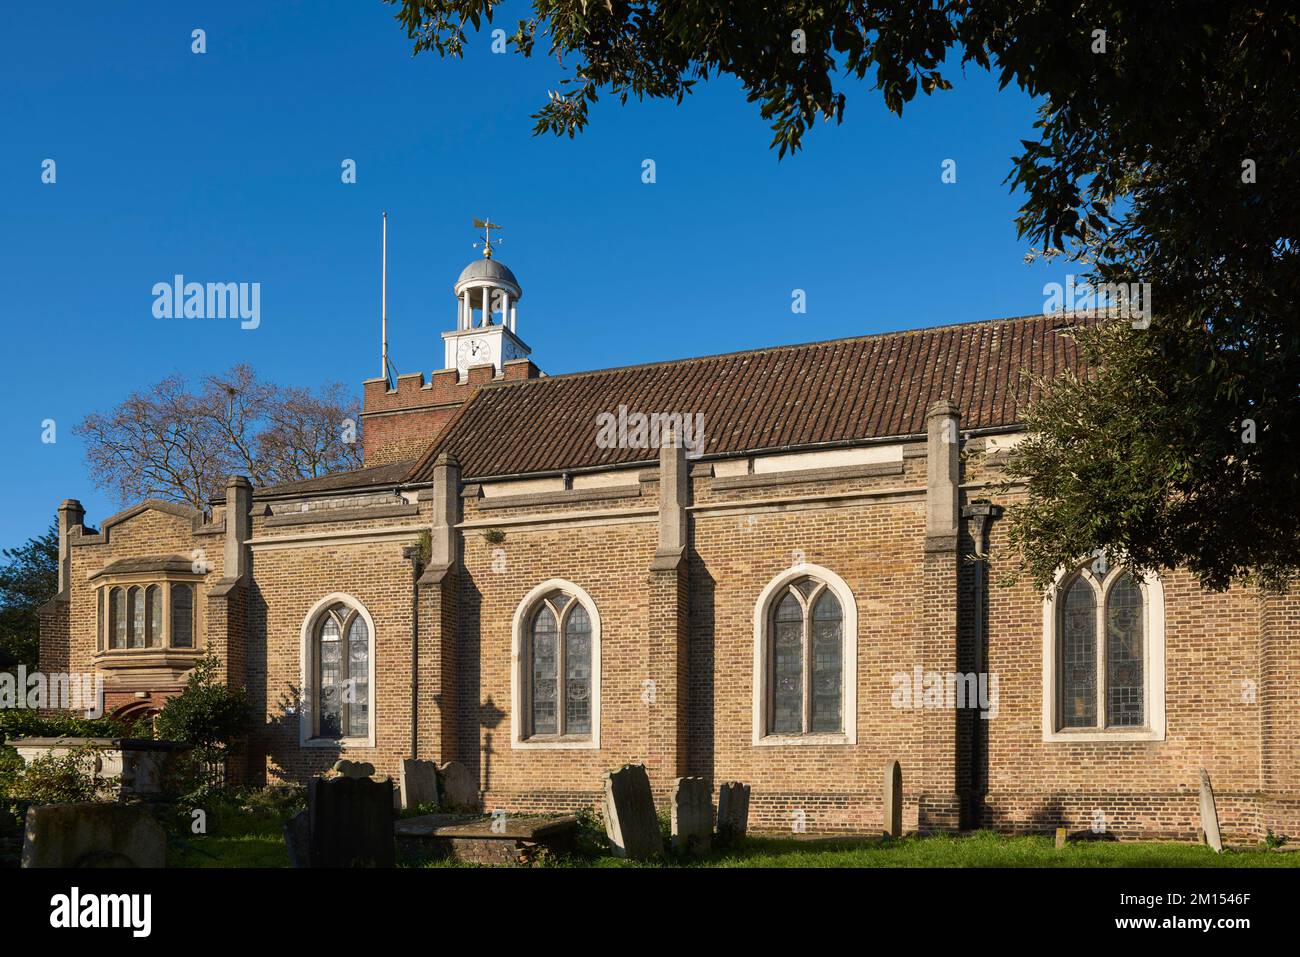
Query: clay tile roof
(820, 393)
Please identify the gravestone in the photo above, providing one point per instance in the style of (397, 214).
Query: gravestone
(630, 820)
(459, 789)
(349, 822)
(692, 815)
(1210, 815)
(93, 835)
(353, 769)
(893, 799)
(733, 811)
(1060, 838)
(419, 783)
(297, 838)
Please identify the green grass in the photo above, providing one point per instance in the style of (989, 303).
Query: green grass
(981, 849)
(237, 836)
(260, 845)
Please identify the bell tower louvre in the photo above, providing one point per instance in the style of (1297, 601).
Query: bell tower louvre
(402, 413)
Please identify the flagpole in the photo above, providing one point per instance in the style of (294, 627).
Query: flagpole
(383, 306)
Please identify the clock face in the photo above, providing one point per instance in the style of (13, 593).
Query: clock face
(474, 350)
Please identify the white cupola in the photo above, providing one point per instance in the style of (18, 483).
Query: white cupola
(487, 298)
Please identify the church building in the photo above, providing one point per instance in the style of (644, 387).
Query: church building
(784, 566)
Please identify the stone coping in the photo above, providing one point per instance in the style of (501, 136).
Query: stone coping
(118, 744)
(529, 827)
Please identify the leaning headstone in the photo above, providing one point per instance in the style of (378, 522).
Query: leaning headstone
(350, 822)
(459, 789)
(1209, 815)
(419, 783)
(93, 835)
(630, 819)
(733, 811)
(692, 815)
(893, 799)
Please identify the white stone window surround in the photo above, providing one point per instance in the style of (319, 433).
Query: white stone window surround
(307, 707)
(1153, 671)
(848, 651)
(518, 678)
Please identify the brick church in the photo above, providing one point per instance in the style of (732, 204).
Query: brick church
(782, 566)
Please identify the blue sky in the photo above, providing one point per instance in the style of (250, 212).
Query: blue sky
(226, 167)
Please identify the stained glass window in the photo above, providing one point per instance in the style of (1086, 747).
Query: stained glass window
(135, 599)
(117, 618)
(358, 681)
(1124, 652)
(1110, 631)
(330, 680)
(1079, 656)
(827, 661)
(577, 672)
(559, 694)
(787, 666)
(342, 674)
(182, 616)
(544, 662)
(153, 616)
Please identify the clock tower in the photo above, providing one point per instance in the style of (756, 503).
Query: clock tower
(487, 297)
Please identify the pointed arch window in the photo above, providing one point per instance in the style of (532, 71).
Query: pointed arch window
(805, 660)
(1104, 657)
(805, 693)
(341, 674)
(556, 669)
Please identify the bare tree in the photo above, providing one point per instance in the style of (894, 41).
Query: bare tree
(172, 443)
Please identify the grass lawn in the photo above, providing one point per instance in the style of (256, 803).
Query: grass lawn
(256, 841)
(980, 849)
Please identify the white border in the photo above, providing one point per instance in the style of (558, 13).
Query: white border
(526, 605)
(307, 707)
(848, 668)
(1153, 671)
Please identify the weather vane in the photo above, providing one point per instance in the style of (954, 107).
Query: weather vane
(487, 226)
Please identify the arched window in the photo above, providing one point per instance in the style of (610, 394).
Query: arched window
(1104, 657)
(805, 641)
(556, 669)
(338, 660)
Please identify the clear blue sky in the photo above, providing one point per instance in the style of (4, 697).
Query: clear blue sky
(226, 167)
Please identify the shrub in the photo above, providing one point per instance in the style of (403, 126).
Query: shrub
(211, 716)
(26, 723)
(54, 778)
(208, 713)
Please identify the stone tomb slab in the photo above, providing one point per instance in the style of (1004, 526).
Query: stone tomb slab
(93, 835)
(483, 839)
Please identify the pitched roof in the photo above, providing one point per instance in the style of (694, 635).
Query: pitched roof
(819, 393)
(391, 474)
